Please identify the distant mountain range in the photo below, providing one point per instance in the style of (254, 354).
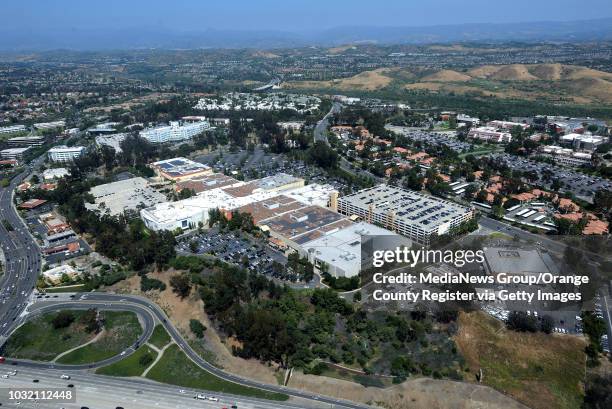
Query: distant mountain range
(107, 39)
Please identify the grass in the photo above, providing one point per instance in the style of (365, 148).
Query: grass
(69, 289)
(39, 341)
(130, 366)
(540, 370)
(160, 337)
(122, 329)
(176, 369)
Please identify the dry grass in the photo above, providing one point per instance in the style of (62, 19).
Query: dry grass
(540, 370)
(556, 82)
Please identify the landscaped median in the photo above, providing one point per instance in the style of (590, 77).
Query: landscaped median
(74, 336)
(133, 365)
(121, 329)
(177, 369)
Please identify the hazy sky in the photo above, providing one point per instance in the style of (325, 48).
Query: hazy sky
(294, 15)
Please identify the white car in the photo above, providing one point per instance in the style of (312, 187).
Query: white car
(65, 377)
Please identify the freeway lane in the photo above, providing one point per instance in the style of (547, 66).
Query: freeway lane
(93, 391)
(23, 260)
(107, 300)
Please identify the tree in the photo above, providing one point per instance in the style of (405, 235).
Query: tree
(197, 328)
(145, 360)
(520, 321)
(63, 319)
(181, 285)
(90, 320)
(547, 324)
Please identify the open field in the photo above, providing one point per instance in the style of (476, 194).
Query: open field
(552, 82)
(39, 341)
(540, 370)
(160, 337)
(121, 329)
(132, 365)
(176, 369)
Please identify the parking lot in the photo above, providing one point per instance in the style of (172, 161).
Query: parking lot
(239, 249)
(583, 186)
(259, 164)
(431, 138)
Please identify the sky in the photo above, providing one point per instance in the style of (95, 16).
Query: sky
(285, 15)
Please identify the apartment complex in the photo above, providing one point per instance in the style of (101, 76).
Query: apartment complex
(411, 214)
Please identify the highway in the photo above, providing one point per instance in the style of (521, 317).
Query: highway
(320, 135)
(93, 391)
(23, 259)
(151, 313)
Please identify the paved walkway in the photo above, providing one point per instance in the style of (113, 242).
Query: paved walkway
(94, 339)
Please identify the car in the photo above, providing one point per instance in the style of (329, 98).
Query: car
(65, 376)
(5, 376)
(35, 380)
(70, 385)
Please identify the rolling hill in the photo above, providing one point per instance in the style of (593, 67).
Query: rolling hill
(552, 82)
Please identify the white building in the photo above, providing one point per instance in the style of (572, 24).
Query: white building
(174, 132)
(585, 142)
(12, 129)
(55, 173)
(50, 125)
(54, 275)
(340, 253)
(507, 125)
(125, 195)
(114, 141)
(65, 153)
(414, 215)
(490, 134)
(566, 156)
(13, 153)
(188, 213)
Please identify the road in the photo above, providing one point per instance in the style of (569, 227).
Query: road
(320, 130)
(145, 308)
(23, 259)
(93, 391)
(320, 135)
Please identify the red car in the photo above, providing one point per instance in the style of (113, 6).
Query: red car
(2, 359)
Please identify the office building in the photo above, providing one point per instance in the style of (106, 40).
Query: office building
(26, 141)
(65, 153)
(174, 132)
(13, 153)
(414, 215)
(12, 129)
(490, 134)
(55, 173)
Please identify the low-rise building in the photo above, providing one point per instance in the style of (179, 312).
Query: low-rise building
(13, 153)
(113, 141)
(566, 156)
(12, 129)
(343, 253)
(174, 132)
(50, 125)
(180, 169)
(55, 173)
(65, 153)
(55, 275)
(490, 134)
(584, 142)
(26, 141)
(129, 195)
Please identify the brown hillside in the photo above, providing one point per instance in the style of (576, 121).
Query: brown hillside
(447, 76)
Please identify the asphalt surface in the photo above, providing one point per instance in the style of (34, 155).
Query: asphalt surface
(92, 391)
(151, 313)
(23, 260)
